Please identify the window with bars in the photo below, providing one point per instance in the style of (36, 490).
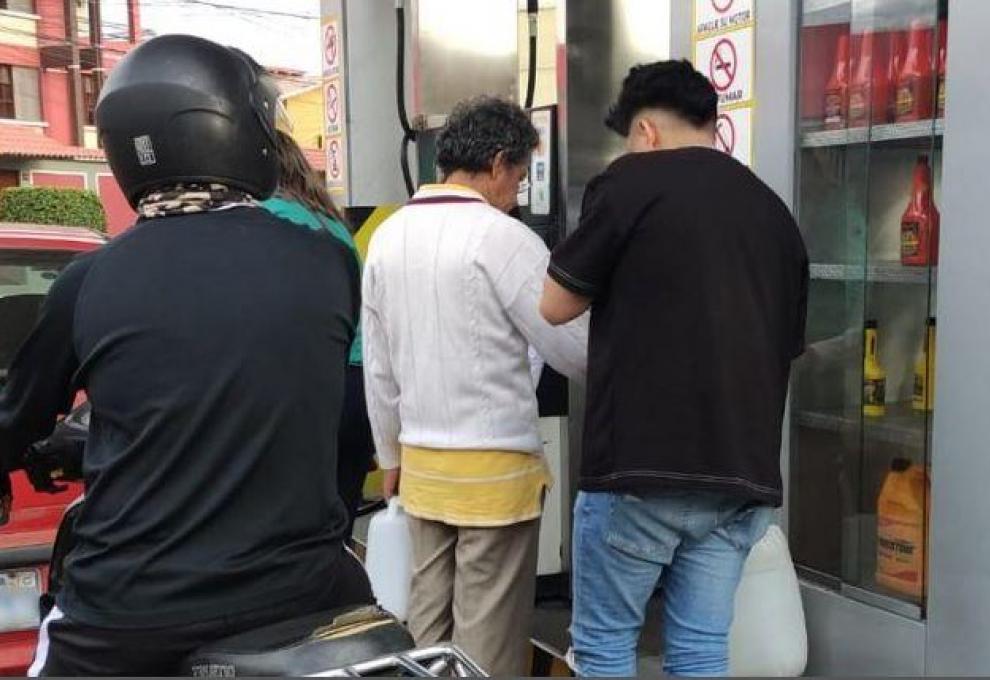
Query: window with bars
(7, 108)
(91, 92)
(25, 6)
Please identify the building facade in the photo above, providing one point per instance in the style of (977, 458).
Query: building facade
(302, 96)
(54, 57)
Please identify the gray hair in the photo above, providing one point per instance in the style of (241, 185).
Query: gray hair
(478, 129)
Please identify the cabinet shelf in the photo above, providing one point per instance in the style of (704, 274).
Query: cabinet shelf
(825, 12)
(902, 426)
(879, 272)
(853, 185)
(893, 132)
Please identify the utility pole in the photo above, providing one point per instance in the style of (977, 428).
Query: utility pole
(75, 71)
(96, 41)
(134, 21)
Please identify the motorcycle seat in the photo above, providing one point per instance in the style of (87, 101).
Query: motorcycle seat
(310, 644)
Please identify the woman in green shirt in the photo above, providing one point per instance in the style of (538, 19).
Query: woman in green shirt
(303, 200)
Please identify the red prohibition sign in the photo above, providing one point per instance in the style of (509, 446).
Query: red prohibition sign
(333, 104)
(330, 51)
(723, 65)
(725, 134)
(334, 159)
(722, 5)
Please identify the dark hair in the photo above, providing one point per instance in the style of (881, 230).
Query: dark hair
(673, 86)
(298, 181)
(478, 129)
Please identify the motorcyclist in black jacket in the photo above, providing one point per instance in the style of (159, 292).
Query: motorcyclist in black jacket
(212, 342)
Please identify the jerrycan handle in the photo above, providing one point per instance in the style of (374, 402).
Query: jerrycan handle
(394, 506)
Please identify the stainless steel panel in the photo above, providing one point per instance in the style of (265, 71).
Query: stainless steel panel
(462, 49)
(846, 638)
(776, 70)
(603, 39)
(891, 604)
(373, 130)
(681, 29)
(959, 580)
(575, 418)
(774, 132)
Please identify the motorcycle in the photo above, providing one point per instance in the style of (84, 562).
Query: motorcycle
(353, 642)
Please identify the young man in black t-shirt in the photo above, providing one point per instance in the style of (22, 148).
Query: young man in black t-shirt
(696, 276)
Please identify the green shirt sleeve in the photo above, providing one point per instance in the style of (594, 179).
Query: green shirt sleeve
(297, 213)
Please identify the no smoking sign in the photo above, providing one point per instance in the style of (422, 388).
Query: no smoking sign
(723, 64)
(734, 134)
(725, 134)
(331, 47)
(720, 15)
(727, 60)
(335, 162)
(335, 108)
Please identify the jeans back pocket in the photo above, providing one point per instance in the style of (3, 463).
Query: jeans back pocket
(645, 528)
(746, 527)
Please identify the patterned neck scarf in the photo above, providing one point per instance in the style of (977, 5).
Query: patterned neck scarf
(186, 199)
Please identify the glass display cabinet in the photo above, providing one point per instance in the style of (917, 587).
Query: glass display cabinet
(871, 106)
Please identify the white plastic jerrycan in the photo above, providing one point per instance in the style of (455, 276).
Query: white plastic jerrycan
(768, 636)
(389, 558)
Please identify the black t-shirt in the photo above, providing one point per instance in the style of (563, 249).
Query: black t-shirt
(213, 349)
(698, 276)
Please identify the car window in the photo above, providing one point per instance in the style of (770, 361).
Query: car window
(25, 277)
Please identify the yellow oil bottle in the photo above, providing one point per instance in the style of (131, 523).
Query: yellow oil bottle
(874, 376)
(902, 511)
(924, 371)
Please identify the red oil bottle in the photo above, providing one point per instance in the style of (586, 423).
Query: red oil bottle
(881, 82)
(943, 37)
(914, 83)
(837, 89)
(920, 223)
(897, 49)
(862, 84)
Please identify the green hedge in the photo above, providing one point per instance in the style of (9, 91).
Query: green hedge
(45, 205)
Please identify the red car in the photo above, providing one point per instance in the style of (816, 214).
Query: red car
(30, 259)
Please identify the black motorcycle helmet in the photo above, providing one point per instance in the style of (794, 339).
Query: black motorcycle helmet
(181, 109)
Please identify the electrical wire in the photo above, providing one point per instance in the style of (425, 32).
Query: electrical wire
(533, 10)
(408, 134)
(119, 31)
(47, 41)
(226, 6)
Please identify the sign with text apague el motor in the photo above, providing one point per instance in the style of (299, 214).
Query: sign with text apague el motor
(724, 49)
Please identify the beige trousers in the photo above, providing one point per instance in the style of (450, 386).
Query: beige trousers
(475, 587)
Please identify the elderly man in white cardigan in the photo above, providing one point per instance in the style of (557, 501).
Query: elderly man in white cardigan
(451, 304)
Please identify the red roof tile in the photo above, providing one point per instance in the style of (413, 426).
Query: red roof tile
(27, 141)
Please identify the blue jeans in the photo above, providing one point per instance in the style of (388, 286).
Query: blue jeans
(692, 544)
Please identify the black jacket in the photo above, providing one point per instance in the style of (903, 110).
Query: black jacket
(213, 348)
